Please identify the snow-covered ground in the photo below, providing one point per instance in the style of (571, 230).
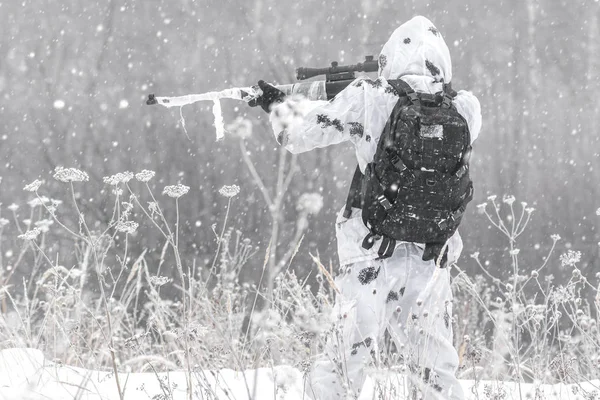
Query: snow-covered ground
(27, 374)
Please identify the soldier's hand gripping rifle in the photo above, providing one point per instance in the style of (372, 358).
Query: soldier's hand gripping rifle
(337, 77)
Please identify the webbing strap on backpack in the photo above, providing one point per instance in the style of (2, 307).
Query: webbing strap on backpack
(354, 194)
(415, 98)
(404, 88)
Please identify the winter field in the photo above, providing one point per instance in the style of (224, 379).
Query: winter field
(518, 338)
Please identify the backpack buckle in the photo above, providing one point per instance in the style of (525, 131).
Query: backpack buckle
(370, 240)
(443, 224)
(414, 98)
(385, 203)
(398, 163)
(446, 101)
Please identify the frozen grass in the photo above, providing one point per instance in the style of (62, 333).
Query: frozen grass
(523, 329)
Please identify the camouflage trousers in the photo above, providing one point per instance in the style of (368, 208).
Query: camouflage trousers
(409, 302)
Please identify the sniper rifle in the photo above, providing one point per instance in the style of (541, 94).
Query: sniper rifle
(337, 77)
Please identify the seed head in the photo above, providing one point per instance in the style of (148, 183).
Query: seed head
(127, 227)
(570, 258)
(159, 280)
(121, 177)
(534, 274)
(30, 234)
(44, 224)
(229, 190)
(33, 186)
(70, 175)
(176, 191)
(3, 222)
(508, 199)
(145, 175)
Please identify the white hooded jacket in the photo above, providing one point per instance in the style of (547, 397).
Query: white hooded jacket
(417, 53)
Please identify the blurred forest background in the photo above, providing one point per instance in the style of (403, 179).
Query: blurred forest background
(74, 76)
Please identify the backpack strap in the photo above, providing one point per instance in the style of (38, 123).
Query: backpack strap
(386, 249)
(448, 94)
(447, 88)
(403, 87)
(432, 251)
(456, 214)
(354, 194)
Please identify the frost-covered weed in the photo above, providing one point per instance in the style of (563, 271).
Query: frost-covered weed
(526, 327)
(134, 322)
(533, 329)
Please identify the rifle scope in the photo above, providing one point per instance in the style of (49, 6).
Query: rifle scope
(369, 65)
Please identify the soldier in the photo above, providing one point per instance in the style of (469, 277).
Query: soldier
(412, 135)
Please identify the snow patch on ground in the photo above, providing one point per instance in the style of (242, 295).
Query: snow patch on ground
(27, 374)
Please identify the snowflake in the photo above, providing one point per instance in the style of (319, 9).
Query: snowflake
(311, 203)
(176, 191)
(70, 175)
(145, 175)
(33, 186)
(121, 177)
(229, 190)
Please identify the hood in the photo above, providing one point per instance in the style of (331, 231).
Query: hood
(416, 48)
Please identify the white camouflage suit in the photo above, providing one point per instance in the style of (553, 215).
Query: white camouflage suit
(404, 295)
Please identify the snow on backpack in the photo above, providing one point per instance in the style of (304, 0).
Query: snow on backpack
(418, 185)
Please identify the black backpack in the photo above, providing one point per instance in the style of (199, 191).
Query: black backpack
(418, 185)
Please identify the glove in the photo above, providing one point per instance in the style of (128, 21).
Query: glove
(269, 96)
